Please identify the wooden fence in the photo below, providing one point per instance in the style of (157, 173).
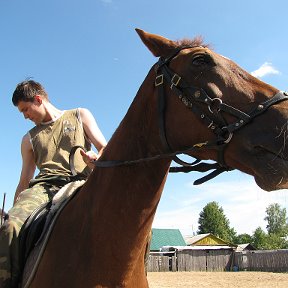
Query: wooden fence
(220, 260)
(270, 260)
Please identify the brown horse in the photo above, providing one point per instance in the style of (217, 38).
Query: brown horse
(194, 101)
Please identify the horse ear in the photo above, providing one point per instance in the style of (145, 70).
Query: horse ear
(158, 45)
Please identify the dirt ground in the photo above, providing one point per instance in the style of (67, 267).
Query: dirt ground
(217, 279)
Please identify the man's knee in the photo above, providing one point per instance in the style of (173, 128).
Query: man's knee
(11, 228)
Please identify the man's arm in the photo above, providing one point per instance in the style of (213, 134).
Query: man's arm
(91, 129)
(28, 166)
(93, 133)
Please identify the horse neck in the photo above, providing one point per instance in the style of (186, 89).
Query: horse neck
(123, 200)
(137, 137)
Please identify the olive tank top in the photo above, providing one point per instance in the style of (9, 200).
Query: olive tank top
(52, 143)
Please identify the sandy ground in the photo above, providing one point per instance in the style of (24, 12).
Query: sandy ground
(217, 279)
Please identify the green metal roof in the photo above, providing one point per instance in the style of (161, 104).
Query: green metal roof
(166, 237)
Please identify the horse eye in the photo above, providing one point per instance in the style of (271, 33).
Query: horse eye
(199, 60)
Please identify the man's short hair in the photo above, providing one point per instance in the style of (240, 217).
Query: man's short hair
(27, 90)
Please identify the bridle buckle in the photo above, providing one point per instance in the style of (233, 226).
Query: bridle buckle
(159, 80)
(175, 80)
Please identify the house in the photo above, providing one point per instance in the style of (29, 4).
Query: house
(204, 252)
(165, 237)
(245, 247)
(208, 242)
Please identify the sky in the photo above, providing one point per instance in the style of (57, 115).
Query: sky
(87, 54)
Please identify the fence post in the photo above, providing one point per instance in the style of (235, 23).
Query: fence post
(3, 206)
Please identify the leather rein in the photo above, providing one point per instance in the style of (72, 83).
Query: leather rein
(192, 97)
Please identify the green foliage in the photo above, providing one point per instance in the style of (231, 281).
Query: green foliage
(277, 229)
(259, 239)
(212, 220)
(242, 239)
(265, 241)
(274, 241)
(277, 220)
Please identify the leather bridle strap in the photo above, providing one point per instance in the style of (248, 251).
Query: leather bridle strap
(162, 128)
(260, 109)
(193, 96)
(118, 163)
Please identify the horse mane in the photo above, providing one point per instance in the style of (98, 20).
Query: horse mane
(194, 42)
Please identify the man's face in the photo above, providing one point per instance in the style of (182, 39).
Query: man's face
(32, 111)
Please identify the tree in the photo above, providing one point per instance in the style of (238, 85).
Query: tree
(265, 241)
(212, 220)
(243, 239)
(277, 229)
(274, 241)
(277, 220)
(259, 239)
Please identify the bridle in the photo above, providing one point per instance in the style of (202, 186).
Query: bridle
(193, 98)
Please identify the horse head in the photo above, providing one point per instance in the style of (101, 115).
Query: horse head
(228, 115)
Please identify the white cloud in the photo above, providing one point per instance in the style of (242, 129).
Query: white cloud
(265, 69)
(243, 202)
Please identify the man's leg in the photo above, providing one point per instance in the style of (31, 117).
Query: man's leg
(28, 200)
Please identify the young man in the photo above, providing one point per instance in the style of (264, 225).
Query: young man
(47, 147)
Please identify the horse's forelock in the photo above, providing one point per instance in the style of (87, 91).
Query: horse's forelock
(195, 42)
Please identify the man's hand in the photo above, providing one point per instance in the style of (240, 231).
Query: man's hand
(89, 157)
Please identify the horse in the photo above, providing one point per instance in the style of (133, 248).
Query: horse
(193, 101)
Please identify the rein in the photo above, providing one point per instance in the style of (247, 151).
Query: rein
(192, 97)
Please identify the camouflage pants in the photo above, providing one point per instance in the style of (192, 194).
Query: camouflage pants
(28, 200)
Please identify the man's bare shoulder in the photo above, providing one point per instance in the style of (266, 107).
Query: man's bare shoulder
(26, 143)
(26, 137)
(84, 111)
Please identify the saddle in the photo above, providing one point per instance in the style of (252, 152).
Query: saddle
(33, 230)
(36, 230)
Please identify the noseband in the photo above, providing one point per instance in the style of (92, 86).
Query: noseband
(193, 98)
